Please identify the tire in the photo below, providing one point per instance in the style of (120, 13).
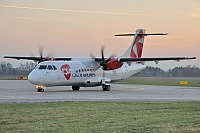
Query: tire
(40, 90)
(106, 87)
(75, 88)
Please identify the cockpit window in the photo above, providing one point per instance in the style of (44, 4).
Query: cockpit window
(37, 67)
(43, 67)
(49, 67)
(54, 67)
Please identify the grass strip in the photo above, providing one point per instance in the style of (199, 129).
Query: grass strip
(11, 77)
(193, 82)
(94, 116)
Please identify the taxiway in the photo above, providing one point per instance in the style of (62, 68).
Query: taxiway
(23, 91)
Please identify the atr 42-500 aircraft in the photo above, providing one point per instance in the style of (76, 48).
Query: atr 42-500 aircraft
(89, 72)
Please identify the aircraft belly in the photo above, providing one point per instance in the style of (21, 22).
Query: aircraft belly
(89, 82)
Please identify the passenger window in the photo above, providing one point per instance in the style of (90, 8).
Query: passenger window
(42, 67)
(50, 67)
(54, 67)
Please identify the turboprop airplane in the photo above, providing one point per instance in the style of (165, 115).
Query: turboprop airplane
(89, 72)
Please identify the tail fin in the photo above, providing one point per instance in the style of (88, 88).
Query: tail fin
(135, 49)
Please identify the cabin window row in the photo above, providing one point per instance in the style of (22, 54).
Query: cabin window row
(84, 70)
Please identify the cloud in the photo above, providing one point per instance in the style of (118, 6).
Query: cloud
(34, 18)
(77, 11)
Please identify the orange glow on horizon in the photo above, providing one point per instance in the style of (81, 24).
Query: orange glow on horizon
(66, 28)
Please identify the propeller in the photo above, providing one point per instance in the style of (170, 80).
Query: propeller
(41, 57)
(104, 61)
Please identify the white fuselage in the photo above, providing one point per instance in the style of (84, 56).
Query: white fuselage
(79, 72)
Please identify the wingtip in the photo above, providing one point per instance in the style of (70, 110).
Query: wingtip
(191, 58)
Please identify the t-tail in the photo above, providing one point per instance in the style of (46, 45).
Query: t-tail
(136, 47)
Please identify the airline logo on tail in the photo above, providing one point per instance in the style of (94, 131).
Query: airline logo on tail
(137, 44)
(135, 49)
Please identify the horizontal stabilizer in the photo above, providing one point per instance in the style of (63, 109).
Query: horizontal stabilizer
(155, 34)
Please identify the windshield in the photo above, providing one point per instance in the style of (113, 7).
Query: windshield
(45, 67)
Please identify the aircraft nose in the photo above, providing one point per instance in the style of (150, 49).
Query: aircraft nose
(33, 78)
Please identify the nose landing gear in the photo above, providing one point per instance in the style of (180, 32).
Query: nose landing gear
(39, 88)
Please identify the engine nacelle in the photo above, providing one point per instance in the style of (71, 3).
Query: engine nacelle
(113, 64)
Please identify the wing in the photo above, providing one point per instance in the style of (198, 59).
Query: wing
(24, 58)
(156, 60)
(115, 63)
(39, 59)
(149, 59)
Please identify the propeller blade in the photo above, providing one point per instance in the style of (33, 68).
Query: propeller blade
(103, 78)
(41, 53)
(92, 56)
(102, 52)
(49, 55)
(112, 56)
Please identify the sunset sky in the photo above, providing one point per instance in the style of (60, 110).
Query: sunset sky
(76, 28)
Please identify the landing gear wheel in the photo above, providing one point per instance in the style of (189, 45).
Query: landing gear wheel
(106, 87)
(75, 88)
(40, 90)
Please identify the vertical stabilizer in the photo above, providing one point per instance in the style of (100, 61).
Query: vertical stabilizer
(135, 49)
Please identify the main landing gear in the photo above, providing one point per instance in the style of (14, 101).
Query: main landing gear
(75, 88)
(106, 87)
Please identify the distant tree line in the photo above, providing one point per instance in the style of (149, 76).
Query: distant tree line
(188, 71)
(22, 69)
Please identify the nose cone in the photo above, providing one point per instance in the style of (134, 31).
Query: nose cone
(34, 78)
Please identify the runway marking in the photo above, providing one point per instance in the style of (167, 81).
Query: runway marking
(127, 87)
(11, 97)
(135, 89)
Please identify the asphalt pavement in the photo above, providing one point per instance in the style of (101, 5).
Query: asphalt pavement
(23, 91)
